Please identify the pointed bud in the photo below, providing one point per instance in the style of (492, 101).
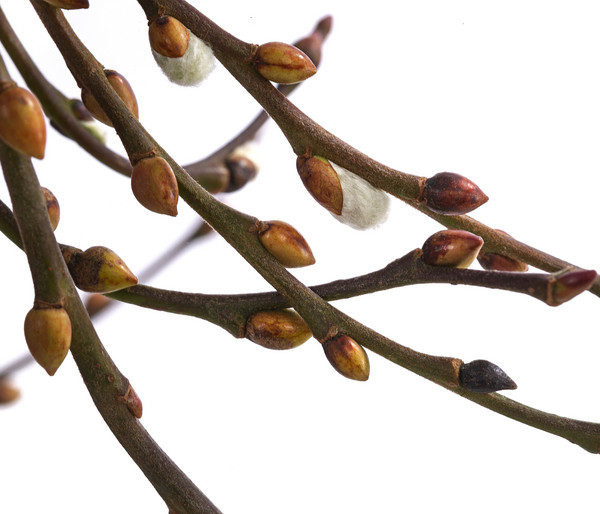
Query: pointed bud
(347, 357)
(481, 376)
(283, 63)
(365, 206)
(155, 186)
(48, 336)
(133, 402)
(121, 87)
(8, 393)
(452, 194)
(22, 122)
(193, 67)
(286, 244)
(52, 207)
(322, 182)
(277, 330)
(497, 262)
(69, 4)
(85, 119)
(97, 303)
(312, 45)
(168, 36)
(451, 248)
(99, 270)
(569, 285)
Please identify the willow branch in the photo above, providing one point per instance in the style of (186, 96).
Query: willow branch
(303, 133)
(239, 230)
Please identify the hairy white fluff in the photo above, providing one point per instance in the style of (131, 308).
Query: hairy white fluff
(365, 206)
(191, 68)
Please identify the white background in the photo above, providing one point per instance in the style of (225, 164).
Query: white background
(504, 93)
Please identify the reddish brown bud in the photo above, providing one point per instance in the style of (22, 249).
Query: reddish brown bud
(312, 45)
(69, 4)
(481, 376)
(347, 357)
(155, 186)
(569, 285)
(497, 262)
(286, 244)
(121, 87)
(452, 194)
(48, 336)
(22, 123)
(322, 182)
(99, 270)
(277, 330)
(132, 401)
(283, 63)
(451, 248)
(8, 393)
(168, 37)
(96, 303)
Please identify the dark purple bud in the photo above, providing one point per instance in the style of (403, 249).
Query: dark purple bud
(481, 376)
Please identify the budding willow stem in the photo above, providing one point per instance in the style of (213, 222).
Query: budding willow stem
(238, 229)
(303, 133)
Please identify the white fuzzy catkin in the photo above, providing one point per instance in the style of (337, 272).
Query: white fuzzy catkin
(192, 67)
(365, 206)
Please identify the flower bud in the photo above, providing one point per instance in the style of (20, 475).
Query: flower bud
(8, 393)
(241, 164)
(121, 87)
(155, 186)
(322, 182)
(452, 194)
(451, 248)
(364, 205)
(283, 63)
(133, 402)
(22, 123)
(312, 45)
(99, 270)
(347, 357)
(48, 336)
(193, 67)
(69, 4)
(481, 376)
(497, 262)
(85, 119)
(168, 36)
(52, 207)
(277, 330)
(286, 244)
(97, 303)
(569, 284)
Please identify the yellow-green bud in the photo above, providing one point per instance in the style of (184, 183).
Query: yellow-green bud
(155, 186)
(286, 244)
(121, 87)
(22, 122)
(52, 207)
(99, 270)
(277, 330)
(283, 63)
(48, 336)
(347, 357)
